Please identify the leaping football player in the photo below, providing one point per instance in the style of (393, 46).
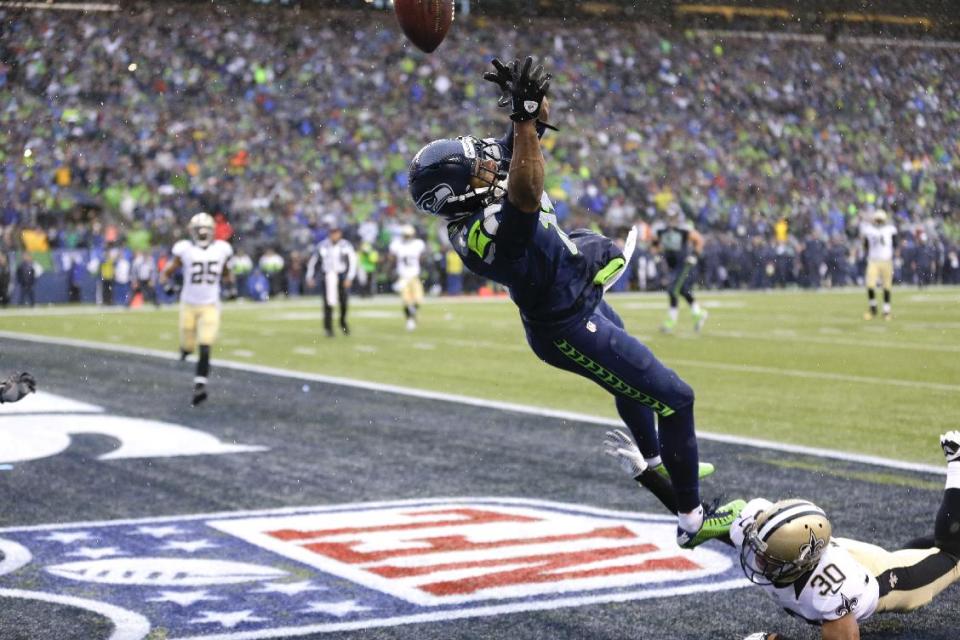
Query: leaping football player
(680, 246)
(204, 263)
(789, 549)
(502, 225)
(407, 252)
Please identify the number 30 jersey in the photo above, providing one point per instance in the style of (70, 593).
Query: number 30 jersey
(202, 270)
(839, 585)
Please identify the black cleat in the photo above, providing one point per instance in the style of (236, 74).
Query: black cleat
(183, 355)
(199, 394)
(345, 329)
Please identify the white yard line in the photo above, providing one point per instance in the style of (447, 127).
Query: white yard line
(816, 375)
(480, 402)
(777, 335)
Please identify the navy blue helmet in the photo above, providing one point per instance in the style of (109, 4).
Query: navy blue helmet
(441, 172)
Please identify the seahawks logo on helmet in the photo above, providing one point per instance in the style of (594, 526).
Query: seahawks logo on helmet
(433, 200)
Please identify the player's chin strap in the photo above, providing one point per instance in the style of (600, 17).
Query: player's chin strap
(609, 275)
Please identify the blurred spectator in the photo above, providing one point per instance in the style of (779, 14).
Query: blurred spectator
(26, 278)
(271, 265)
(121, 278)
(4, 280)
(144, 278)
(75, 275)
(240, 266)
(107, 274)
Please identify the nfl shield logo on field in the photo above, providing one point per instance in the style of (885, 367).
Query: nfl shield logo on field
(333, 568)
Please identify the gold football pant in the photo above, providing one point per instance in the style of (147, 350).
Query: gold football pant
(882, 271)
(199, 323)
(411, 291)
(908, 578)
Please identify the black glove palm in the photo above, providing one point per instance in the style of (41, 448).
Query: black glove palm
(523, 87)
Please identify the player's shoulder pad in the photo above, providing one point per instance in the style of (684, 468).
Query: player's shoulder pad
(180, 247)
(224, 247)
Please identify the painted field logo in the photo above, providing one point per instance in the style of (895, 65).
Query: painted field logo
(298, 571)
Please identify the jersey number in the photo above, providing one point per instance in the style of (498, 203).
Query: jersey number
(208, 272)
(550, 220)
(829, 580)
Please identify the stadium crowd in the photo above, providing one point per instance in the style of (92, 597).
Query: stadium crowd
(117, 127)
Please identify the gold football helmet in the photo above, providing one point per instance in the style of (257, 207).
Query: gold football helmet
(201, 229)
(784, 542)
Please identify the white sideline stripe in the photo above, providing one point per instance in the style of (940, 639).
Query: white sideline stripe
(489, 404)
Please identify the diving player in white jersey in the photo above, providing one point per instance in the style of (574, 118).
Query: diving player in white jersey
(789, 549)
(406, 253)
(204, 264)
(880, 243)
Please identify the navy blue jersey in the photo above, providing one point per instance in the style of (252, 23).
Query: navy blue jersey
(555, 279)
(673, 241)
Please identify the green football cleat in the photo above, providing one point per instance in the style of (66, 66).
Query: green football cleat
(668, 326)
(705, 470)
(716, 523)
(699, 319)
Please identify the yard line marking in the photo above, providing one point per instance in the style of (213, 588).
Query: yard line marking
(816, 375)
(892, 343)
(477, 402)
(305, 351)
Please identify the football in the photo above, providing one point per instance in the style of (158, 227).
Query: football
(425, 22)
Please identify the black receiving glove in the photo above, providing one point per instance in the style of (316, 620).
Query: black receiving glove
(16, 387)
(526, 87)
(502, 78)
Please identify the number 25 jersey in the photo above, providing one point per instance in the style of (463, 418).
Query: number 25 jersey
(837, 586)
(202, 270)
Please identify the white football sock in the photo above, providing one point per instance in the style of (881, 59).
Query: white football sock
(695, 308)
(953, 475)
(691, 522)
(674, 312)
(655, 461)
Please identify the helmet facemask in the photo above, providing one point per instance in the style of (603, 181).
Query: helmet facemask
(201, 230)
(454, 178)
(784, 542)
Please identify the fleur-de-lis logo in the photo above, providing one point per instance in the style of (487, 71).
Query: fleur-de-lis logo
(894, 580)
(812, 548)
(846, 605)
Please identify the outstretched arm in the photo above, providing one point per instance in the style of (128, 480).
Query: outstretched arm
(527, 87)
(525, 184)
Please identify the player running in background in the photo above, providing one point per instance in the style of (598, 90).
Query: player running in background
(204, 264)
(879, 243)
(680, 245)
(501, 223)
(407, 253)
(789, 549)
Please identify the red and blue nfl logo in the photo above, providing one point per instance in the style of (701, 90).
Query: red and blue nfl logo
(309, 570)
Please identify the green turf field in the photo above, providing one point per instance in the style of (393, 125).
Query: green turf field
(795, 367)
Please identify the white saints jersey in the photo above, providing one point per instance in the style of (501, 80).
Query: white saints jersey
(408, 252)
(202, 270)
(879, 241)
(839, 585)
